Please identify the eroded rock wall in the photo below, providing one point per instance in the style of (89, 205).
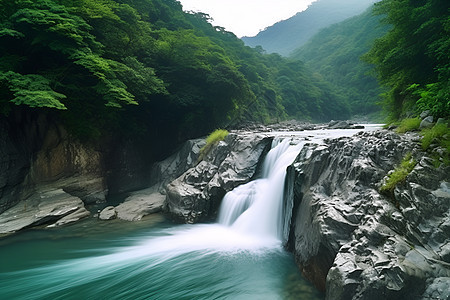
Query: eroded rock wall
(355, 243)
(45, 174)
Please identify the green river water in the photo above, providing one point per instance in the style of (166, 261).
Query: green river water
(151, 259)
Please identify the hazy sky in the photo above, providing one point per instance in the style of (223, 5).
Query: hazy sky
(246, 17)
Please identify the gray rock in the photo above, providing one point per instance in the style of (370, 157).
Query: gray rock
(355, 243)
(186, 157)
(77, 215)
(441, 121)
(108, 213)
(339, 125)
(427, 122)
(46, 207)
(424, 114)
(438, 289)
(196, 194)
(140, 204)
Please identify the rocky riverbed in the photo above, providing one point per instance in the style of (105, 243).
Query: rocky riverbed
(350, 240)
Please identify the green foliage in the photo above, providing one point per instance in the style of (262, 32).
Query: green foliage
(135, 68)
(31, 90)
(439, 133)
(399, 174)
(217, 136)
(334, 52)
(433, 97)
(408, 124)
(412, 59)
(213, 139)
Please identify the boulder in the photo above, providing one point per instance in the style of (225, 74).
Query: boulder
(195, 195)
(353, 242)
(424, 114)
(140, 204)
(108, 213)
(427, 122)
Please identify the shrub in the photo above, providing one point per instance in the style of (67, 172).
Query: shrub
(440, 135)
(399, 175)
(408, 125)
(212, 140)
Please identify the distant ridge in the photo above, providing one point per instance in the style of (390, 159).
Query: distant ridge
(286, 36)
(335, 53)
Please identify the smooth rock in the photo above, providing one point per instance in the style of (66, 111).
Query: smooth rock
(427, 122)
(108, 213)
(46, 206)
(140, 204)
(424, 114)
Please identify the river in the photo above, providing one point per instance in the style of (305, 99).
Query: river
(239, 257)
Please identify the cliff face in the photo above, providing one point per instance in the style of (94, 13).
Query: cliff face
(355, 243)
(45, 174)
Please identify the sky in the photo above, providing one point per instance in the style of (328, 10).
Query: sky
(246, 17)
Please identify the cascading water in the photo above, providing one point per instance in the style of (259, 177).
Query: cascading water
(239, 257)
(256, 208)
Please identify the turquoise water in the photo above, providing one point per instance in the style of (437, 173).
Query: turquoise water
(152, 259)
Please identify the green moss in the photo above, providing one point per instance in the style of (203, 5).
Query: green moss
(399, 175)
(213, 139)
(408, 125)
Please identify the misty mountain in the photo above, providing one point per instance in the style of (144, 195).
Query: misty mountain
(288, 35)
(335, 53)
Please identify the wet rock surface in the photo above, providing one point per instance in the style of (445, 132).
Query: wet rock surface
(355, 243)
(196, 194)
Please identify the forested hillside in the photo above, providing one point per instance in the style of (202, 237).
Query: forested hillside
(145, 67)
(413, 59)
(288, 35)
(335, 52)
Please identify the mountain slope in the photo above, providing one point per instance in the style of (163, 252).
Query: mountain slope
(335, 54)
(288, 35)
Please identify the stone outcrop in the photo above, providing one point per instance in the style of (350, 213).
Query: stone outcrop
(355, 243)
(47, 206)
(196, 194)
(166, 171)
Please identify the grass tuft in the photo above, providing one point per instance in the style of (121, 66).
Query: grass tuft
(408, 125)
(438, 132)
(399, 175)
(212, 140)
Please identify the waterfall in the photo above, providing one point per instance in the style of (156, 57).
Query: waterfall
(256, 208)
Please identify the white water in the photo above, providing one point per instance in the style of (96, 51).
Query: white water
(183, 262)
(256, 208)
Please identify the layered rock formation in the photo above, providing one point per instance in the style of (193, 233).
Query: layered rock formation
(45, 174)
(355, 243)
(195, 195)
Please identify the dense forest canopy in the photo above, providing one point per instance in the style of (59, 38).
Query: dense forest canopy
(135, 66)
(413, 58)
